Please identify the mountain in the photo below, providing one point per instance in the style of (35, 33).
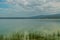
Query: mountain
(53, 16)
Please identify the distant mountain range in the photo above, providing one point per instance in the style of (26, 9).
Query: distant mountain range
(53, 16)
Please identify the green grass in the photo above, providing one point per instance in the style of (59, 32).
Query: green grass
(31, 36)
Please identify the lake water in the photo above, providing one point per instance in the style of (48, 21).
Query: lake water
(15, 25)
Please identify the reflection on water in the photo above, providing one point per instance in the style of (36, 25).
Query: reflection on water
(13, 25)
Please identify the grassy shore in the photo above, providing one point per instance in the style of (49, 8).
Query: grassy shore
(31, 36)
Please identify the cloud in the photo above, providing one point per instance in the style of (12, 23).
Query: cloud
(51, 7)
(32, 7)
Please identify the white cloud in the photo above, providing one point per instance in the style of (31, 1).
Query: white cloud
(52, 7)
(44, 4)
(33, 6)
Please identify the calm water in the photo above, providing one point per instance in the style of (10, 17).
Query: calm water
(13, 25)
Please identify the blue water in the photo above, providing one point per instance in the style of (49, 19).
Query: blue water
(16, 25)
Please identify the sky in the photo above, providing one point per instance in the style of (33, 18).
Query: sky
(26, 8)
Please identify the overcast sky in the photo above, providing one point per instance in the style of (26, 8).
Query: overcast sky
(25, 8)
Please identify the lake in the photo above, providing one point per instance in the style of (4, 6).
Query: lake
(16, 25)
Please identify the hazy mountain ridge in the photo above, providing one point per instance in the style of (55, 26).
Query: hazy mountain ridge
(54, 16)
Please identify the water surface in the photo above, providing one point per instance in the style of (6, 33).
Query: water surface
(13, 25)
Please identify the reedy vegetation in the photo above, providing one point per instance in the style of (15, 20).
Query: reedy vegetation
(31, 36)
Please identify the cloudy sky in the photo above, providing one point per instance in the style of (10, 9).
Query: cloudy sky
(25, 8)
